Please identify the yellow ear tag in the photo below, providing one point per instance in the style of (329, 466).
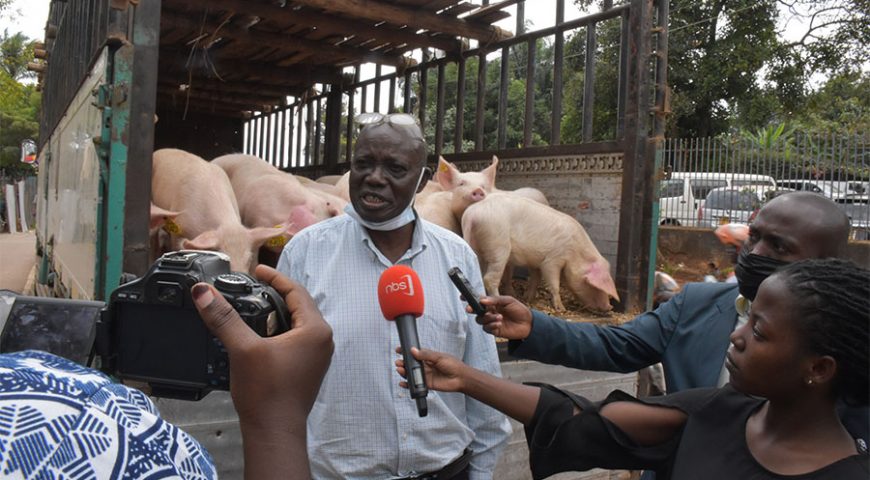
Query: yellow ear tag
(278, 241)
(170, 226)
(442, 167)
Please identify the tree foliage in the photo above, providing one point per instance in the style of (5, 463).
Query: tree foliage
(16, 51)
(19, 105)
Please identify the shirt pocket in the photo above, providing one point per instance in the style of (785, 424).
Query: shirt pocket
(444, 330)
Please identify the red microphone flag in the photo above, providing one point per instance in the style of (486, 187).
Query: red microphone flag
(400, 292)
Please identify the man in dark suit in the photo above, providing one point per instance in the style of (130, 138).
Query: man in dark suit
(690, 333)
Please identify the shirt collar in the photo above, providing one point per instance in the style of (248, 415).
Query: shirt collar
(419, 242)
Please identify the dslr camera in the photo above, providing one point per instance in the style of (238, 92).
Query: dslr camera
(150, 330)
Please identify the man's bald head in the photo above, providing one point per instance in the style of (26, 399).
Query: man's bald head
(800, 225)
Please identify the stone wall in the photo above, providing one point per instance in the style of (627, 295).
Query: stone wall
(587, 187)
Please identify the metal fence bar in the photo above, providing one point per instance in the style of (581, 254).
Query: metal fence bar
(503, 98)
(481, 98)
(460, 106)
(529, 120)
(831, 164)
(439, 111)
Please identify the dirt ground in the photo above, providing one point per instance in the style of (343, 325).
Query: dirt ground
(682, 267)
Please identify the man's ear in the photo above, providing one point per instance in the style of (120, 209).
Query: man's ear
(427, 175)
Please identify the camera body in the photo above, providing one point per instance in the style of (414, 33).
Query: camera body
(151, 331)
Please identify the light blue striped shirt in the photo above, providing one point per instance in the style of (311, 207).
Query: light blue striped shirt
(363, 424)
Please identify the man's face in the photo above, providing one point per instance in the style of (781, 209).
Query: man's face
(785, 231)
(384, 171)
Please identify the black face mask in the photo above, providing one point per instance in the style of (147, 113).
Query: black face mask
(752, 269)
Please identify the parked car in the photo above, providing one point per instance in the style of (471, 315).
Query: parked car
(857, 208)
(828, 188)
(729, 205)
(683, 193)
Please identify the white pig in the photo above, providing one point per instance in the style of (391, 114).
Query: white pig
(267, 196)
(158, 237)
(208, 216)
(445, 203)
(507, 228)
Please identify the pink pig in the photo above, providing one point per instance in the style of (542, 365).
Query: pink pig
(269, 197)
(445, 201)
(508, 228)
(208, 215)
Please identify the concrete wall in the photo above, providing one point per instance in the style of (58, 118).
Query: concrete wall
(585, 186)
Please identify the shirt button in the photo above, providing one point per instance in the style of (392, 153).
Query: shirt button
(401, 395)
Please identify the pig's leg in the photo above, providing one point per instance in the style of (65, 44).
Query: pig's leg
(492, 276)
(550, 272)
(532, 284)
(506, 287)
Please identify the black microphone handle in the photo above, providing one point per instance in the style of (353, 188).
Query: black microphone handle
(407, 325)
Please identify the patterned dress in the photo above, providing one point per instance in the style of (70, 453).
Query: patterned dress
(60, 420)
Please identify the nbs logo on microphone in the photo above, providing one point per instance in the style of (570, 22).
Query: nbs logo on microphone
(404, 285)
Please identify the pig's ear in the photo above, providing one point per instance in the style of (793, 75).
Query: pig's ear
(599, 277)
(447, 174)
(204, 241)
(261, 235)
(158, 217)
(489, 172)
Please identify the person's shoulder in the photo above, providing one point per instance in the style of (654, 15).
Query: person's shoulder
(710, 290)
(694, 400)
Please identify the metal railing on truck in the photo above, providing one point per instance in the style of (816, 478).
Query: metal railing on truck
(468, 119)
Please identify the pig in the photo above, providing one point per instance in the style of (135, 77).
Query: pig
(435, 207)
(158, 237)
(328, 179)
(532, 194)
(267, 196)
(444, 205)
(342, 185)
(507, 228)
(208, 217)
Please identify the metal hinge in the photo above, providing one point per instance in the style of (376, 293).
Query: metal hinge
(108, 95)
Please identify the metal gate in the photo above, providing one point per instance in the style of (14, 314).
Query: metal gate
(603, 176)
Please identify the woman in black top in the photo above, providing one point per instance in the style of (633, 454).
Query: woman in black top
(804, 347)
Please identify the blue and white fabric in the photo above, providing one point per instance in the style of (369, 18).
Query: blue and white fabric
(60, 420)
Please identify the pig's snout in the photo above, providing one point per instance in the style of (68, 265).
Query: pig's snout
(477, 194)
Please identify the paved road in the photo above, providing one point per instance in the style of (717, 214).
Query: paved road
(17, 257)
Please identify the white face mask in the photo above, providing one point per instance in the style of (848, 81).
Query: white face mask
(405, 217)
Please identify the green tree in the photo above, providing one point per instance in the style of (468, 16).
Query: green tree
(16, 51)
(19, 104)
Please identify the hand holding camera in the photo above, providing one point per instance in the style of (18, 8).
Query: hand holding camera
(274, 380)
(257, 364)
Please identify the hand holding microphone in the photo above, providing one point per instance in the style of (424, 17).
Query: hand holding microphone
(400, 295)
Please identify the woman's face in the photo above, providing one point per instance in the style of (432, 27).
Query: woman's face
(766, 357)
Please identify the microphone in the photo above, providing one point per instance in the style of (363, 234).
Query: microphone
(400, 295)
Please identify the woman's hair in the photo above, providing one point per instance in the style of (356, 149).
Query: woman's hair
(832, 302)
